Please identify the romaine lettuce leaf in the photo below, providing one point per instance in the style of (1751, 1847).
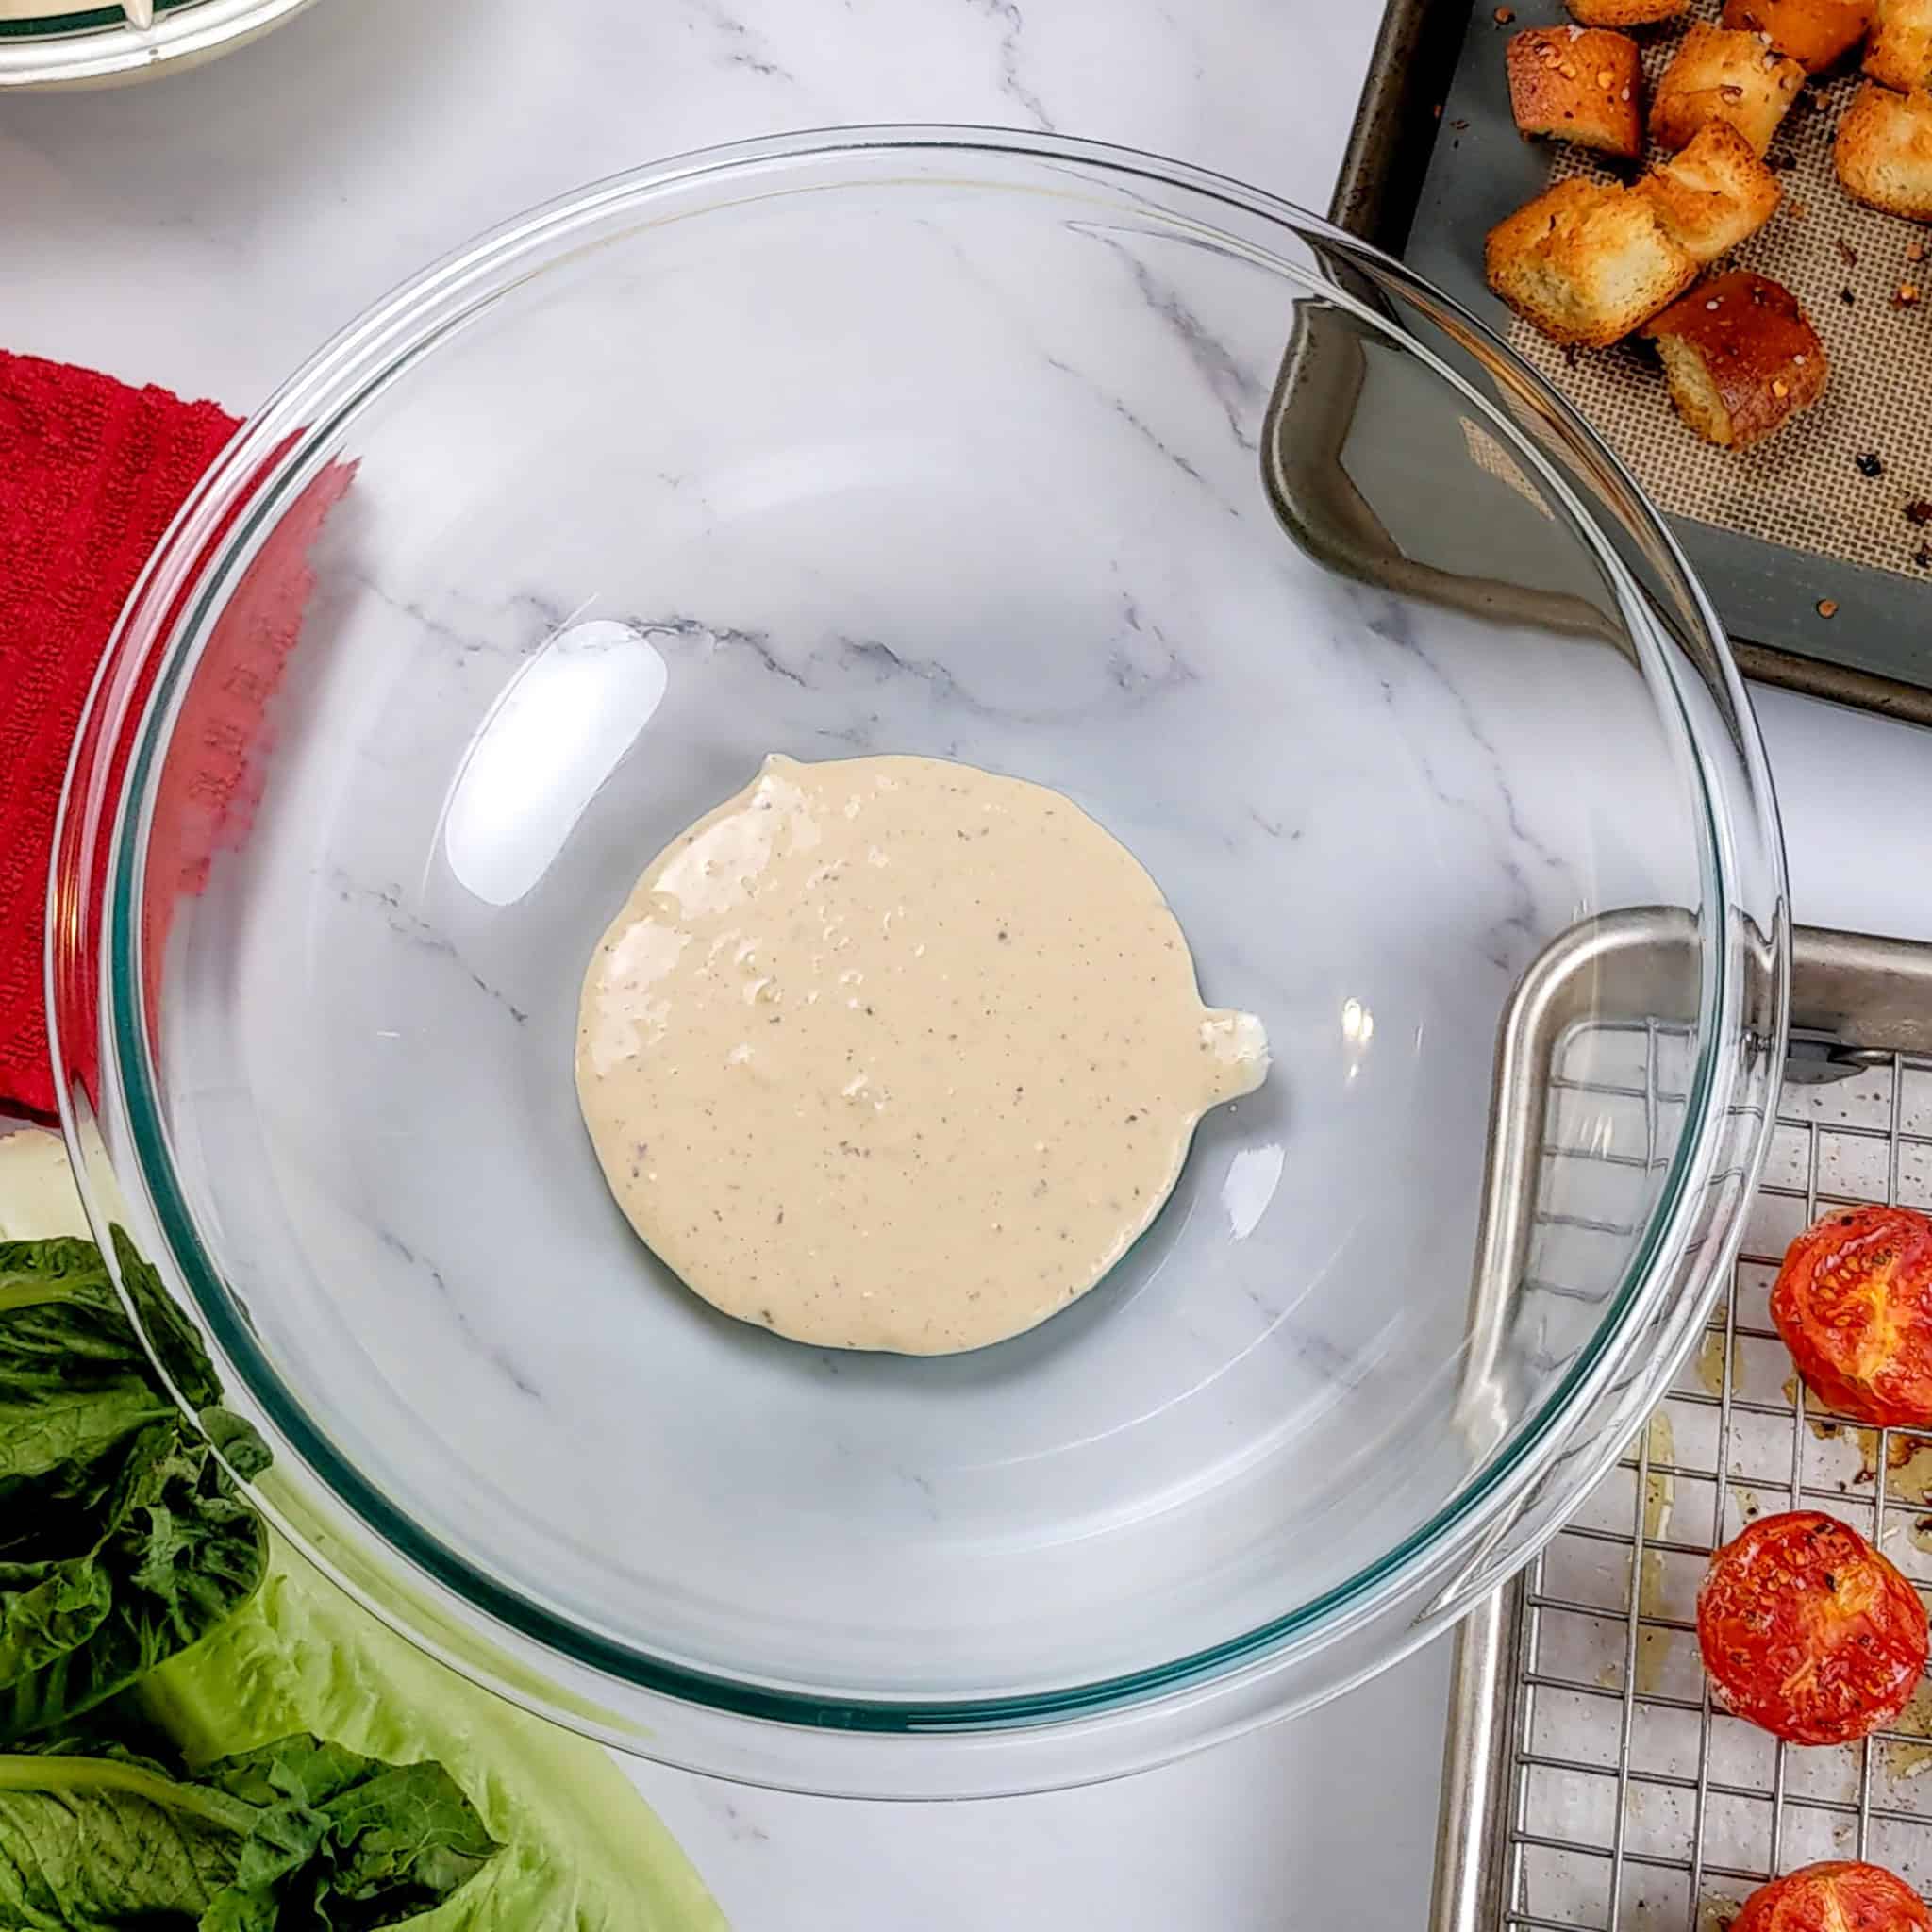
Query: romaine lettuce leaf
(582, 1851)
(123, 1547)
(297, 1836)
(122, 1539)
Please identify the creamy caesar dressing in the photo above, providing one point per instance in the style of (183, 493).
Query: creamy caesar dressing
(891, 1053)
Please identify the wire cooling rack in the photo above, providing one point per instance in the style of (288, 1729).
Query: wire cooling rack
(1619, 1800)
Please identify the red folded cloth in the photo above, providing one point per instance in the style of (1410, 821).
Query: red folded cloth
(90, 473)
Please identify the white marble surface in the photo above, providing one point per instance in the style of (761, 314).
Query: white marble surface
(207, 231)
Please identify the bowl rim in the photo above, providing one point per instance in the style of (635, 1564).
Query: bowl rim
(185, 584)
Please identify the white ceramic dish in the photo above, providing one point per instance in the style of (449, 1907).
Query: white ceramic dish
(45, 46)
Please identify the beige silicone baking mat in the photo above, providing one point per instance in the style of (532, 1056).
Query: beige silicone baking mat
(1809, 488)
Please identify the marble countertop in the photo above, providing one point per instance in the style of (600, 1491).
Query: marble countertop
(207, 231)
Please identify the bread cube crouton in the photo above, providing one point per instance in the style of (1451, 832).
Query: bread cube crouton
(1884, 151)
(1900, 53)
(1719, 75)
(1713, 195)
(1815, 33)
(1740, 357)
(1624, 12)
(1579, 84)
(1586, 262)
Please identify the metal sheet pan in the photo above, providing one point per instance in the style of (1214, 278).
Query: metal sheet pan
(1433, 162)
(1588, 1781)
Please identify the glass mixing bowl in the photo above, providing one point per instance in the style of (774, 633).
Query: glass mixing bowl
(1074, 464)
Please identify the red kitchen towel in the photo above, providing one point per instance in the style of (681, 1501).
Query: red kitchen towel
(90, 473)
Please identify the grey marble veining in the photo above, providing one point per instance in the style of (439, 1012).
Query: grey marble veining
(335, 206)
(243, 212)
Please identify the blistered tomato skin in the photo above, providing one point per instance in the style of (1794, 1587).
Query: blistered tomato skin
(1854, 1304)
(1836, 1898)
(1808, 1631)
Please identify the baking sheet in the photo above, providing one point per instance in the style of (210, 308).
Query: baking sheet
(1638, 1806)
(1591, 1783)
(1775, 534)
(1804, 489)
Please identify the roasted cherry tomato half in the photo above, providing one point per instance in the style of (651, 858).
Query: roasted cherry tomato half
(1808, 1631)
(1854, 1304)
(1836, 1898)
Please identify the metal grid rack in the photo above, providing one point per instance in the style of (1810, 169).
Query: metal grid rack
(1629, 1804)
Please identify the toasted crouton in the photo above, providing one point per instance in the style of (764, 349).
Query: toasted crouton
(1624, 12)
(1900, 53)
(1586, 262)
(1579, 84)
(1723, 75)
(1815, 33)
(1739, 357)
(1713, 195)
(1884, 151)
